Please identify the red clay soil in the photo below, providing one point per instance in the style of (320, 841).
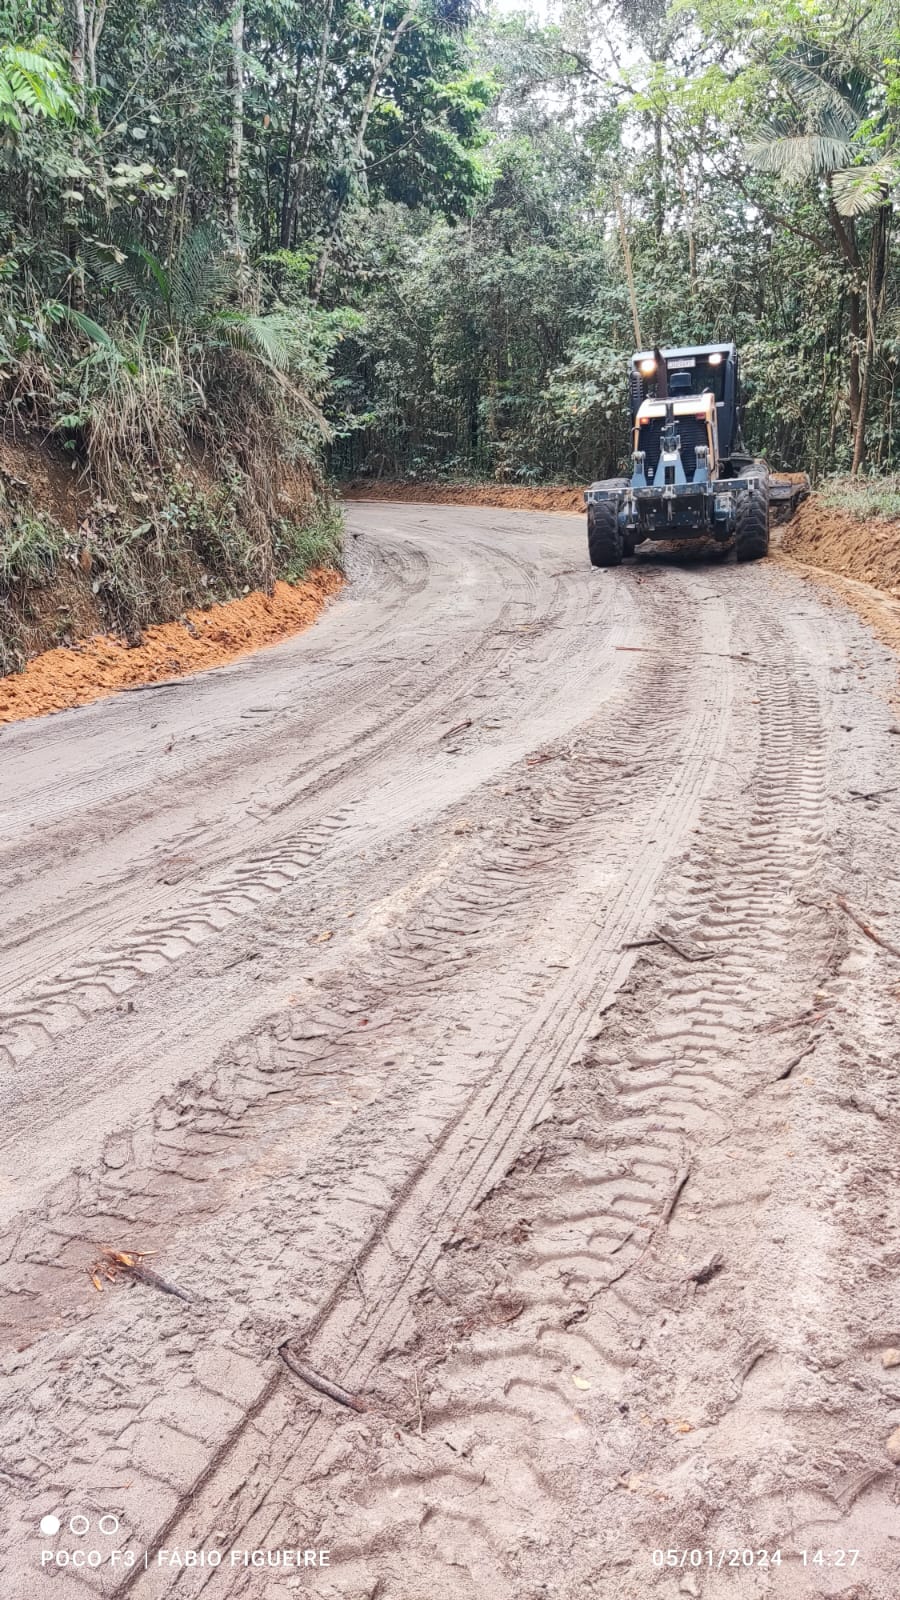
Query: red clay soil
(866, 550)
(74, 675)
(516, 496)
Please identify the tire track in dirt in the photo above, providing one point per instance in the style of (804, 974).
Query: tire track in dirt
(566, 1244)
(406, 994)
(67, 997)
(592, 1287)
(476, 1145)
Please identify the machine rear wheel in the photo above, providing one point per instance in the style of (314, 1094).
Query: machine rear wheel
(751, 534)
(605, 543)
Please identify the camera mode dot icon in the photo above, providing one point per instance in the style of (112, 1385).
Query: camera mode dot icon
(50, 1526)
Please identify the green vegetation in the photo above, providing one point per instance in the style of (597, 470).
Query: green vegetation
(701, 169)
(864, 497)
(176, 186)
(244, 243)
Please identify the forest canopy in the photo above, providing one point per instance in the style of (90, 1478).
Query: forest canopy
(424, 236)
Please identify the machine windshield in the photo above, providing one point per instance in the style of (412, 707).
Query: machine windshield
(706, 373)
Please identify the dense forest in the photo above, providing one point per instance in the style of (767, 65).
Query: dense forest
(243, 242)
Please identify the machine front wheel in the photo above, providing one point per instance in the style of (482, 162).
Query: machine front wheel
(751, 534)
(605, 542)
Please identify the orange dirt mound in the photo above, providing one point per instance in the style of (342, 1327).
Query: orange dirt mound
(550, 497)
(868, 550)
(72, 676)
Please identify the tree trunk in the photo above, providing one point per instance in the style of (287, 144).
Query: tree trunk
(289, 216)
(845, 233)
(236, 142)
(380, 65)
(629, 268)
(659, 188)
(853, 385)
(284, 230)
(94, 29)
(79, 51)
(874, 298)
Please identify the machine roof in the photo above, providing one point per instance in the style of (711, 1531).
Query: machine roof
(674, 351)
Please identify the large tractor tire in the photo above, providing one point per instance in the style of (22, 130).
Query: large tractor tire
(605, 542)
(751, 533)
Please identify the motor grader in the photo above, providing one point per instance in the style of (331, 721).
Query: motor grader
(691, 477)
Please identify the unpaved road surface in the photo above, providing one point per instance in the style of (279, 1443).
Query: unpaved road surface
(459, 998)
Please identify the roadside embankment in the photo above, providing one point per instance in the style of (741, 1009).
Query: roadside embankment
(179, 570)
(863, 547)
(515, 496)
(857, 555)
(76, 674)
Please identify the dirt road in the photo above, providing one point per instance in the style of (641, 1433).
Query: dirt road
(464, 998)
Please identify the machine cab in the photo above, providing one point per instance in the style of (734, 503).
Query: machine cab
(705, 372)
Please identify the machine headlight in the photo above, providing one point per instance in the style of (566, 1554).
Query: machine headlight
(647, 367)
(715, 359)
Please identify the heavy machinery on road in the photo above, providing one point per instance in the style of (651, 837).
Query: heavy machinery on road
(691, 476)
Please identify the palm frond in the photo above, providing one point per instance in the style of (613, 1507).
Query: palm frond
(860, 189)
(33, 81)
(121, 270)
(811, 81)
(794, 157)
(84, 325)
(151, 264)
(272, 339)
(201, 273)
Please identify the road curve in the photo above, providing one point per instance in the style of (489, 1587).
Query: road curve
(466, 997)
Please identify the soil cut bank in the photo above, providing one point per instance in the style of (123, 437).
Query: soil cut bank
(867, 549)
(512, 496)
(75, 675)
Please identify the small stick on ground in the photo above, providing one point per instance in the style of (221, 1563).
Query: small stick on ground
(419, 1424)
(663, 938)
(322, 1385)
(866, 927)
(113, 1263)
(784, 1026)
(459, 727)
(361, 1287)
(872, 794)
(796, 1060)
(681, 1179)
(154, 1281)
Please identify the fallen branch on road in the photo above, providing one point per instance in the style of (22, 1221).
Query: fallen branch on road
(867, 928)
(680, 950)
(322, 1385)
(114, 1262)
